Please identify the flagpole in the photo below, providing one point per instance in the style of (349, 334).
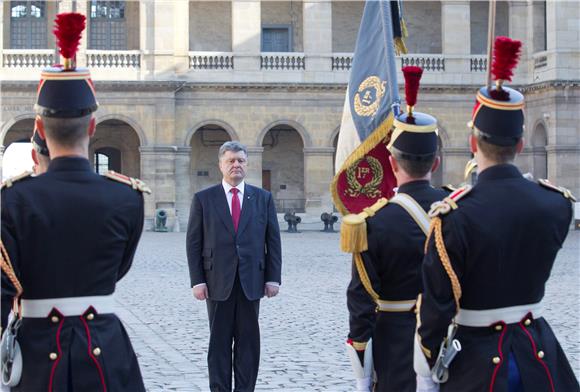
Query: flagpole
(490, 39)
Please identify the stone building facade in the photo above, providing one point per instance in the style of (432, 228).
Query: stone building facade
(175, 79)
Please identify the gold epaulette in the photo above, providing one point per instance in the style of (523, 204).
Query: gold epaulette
(449, 188)
(353, 231)
(10, 181)
(450, 202)
(135, 183)
(564, 191)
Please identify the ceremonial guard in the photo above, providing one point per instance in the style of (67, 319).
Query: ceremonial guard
(489, 254)
(68, 236)
(386, 277)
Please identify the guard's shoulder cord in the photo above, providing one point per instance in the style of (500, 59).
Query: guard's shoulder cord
(135, 183)
(449, 203)
(439, 209)
(8, 269)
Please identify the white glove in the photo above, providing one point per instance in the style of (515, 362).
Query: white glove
(426, 384)
(363, 384)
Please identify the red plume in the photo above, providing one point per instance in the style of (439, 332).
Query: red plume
(68, 31)
(506, 53)
(412, 77)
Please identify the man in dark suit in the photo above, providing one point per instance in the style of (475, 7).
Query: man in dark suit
(234, 256)
(69, 235)
(383, 310)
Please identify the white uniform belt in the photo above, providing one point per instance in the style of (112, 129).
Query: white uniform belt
(395, 306)
(487, 317)
(71, 306)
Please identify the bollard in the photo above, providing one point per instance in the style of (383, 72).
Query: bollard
(293, 221)
(161, 220)
(329, 220)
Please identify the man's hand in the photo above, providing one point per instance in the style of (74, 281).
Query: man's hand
(200, 291)
(271, 290)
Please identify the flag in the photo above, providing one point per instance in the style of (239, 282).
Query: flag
(364, 173)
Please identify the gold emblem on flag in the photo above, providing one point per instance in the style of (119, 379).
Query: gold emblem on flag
(356, 172)
(365, 104)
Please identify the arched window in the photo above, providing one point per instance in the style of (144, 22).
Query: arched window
(108, 27)
(28, 29)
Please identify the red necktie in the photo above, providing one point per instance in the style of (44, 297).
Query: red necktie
(235, 208)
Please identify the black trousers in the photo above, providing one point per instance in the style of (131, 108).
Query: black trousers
(393, 352)
(234, 334)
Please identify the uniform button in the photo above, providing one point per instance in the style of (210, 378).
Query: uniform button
(527, 322)
(53, 356)
(540, 354)
(90, 316)
(97, 351)
(54, 319)
(496, 360)
(498, 327)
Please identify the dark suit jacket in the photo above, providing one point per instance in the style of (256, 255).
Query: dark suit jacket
(215, 252)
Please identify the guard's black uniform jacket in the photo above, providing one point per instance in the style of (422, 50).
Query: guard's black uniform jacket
(70, 233)
(393, 264)
(502, 241)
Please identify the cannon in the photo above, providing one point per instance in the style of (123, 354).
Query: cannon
(292, 220)
(329, 219)
(161, 220)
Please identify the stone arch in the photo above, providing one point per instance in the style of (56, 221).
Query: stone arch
(283, 167)
(306, 140)
(205, 140)
(130, 121)
(224, 125)
(10, 123)
(121, 143)
(540, 134)
(334, 137)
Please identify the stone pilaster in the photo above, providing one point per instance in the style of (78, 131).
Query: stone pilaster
(563, 36)
(246, 34)
(254, 175)
(66, 6)
(3, 25)
(455, 31)
(147, 38)
(317, 16)
(158, 171)
(317, 177)
(182, 181)
(181, 40)
(519, 28)
(81, 7)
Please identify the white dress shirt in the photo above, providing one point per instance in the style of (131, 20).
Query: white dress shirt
(229, 196)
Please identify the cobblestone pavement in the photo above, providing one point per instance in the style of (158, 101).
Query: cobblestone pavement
(303, 329)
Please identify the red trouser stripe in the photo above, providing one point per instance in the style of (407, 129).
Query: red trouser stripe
(97, 364)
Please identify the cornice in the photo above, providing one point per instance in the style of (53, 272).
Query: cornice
(176, 87)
